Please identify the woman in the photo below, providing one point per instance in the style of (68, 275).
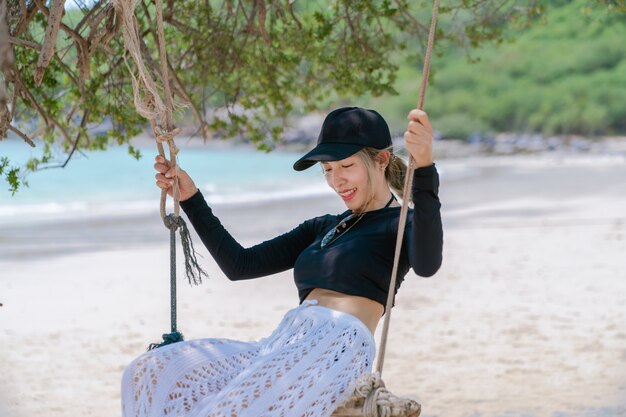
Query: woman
(342, 267)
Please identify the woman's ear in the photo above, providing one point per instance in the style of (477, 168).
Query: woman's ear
(383, 158)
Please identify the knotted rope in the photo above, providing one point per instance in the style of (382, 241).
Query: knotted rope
(149, 104)
(164, 136)
(377, 397)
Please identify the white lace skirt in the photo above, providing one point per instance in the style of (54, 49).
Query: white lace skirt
(306, 367)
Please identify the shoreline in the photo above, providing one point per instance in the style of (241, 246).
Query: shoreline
(538, 195)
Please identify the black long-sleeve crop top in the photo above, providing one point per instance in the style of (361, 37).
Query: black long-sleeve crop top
(359, 262)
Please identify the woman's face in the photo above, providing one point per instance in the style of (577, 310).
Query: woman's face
(348, 178)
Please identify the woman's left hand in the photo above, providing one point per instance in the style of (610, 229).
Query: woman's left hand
(418, 139)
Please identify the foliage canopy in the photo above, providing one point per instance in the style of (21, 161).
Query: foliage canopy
(565, 75)
(239, 67)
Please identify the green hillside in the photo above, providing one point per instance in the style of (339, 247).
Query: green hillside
(566, 74)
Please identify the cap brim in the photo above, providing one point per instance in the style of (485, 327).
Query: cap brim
(326, 152)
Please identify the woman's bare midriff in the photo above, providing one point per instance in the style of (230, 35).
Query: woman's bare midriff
(366, 310)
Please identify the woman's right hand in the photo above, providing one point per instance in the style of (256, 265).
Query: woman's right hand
(166, 175)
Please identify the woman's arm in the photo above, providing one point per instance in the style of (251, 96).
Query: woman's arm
(425, 235)
(237, 262)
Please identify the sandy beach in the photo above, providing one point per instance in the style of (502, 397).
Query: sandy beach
(526, 317)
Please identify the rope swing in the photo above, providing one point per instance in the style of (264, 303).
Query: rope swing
(370, 398)
(149, 104)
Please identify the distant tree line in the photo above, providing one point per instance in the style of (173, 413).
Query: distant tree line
(566, 74)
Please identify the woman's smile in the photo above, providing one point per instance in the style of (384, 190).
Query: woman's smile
(348, 178)
(348, 194)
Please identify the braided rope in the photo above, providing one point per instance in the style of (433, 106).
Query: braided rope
(146, 95)
(377, 398)
(371, 387)
(146, 91)
(408, 182)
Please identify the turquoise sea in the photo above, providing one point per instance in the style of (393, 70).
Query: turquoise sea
(112, 183)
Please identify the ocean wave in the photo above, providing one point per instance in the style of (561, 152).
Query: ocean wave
(264, 196)
(50, 211)
(75, 210)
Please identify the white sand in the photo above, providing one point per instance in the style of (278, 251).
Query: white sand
(527, 316)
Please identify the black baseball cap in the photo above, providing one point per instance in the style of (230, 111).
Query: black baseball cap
(346, 131)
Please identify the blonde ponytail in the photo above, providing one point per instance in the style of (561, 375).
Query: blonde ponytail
(395, 175)
(395, 172)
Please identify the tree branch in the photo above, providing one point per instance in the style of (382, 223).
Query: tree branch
(420, 27)
(262, 13)
(6, 67)
(293, 15)
(49, 121)
(70, 74)
(145, 51)
(73, 34)
(88, 15)
(16, 93)
(37, 47)
(111, 27)
(21, 135)
(55, 13)
(5, 117)
(27, 16)
(113, 67)
(83, 123)
(22, 42)
(82, 47)
(204, 127)
(20, 83)
(183, 27)
(170, 10)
